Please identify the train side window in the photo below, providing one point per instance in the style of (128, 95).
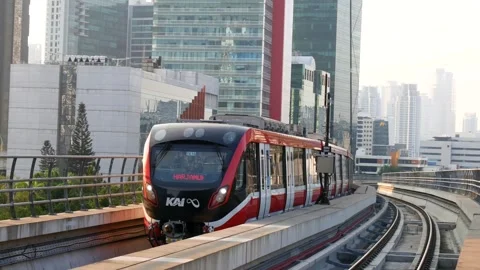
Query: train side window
(298, 161)
(240, 179)
(276, 152)
(252, 171)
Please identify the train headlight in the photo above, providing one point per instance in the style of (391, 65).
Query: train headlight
(168, 229)
(218, 198)
(222, 193)
(150, 193)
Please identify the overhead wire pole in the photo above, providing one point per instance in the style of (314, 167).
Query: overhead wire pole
(351, 95)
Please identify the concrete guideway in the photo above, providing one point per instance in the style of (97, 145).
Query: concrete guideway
(33, 227)
(469, 234)
(34, 242)
(237, 246)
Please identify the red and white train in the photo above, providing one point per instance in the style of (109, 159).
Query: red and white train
(210, 175)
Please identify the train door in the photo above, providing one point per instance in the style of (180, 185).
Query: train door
(338, 171)
(309, 186)
(265, 181)
(333, 178)
(342, 175)
(290, 185)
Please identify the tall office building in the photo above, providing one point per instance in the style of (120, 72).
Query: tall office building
(34, 53)
(140, 24)
(306, 102)
(233, 41)
(408, 114)
(14, 28)
(444, 99)
(427, 118)
(390, 94)
(321, 29)
(369, 102)
(86, 27)
(470, 122)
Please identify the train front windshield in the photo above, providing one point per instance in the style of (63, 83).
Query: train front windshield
(199, 163)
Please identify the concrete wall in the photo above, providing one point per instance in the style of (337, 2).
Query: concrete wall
(467, 206)
(33, 109)
(116, 99)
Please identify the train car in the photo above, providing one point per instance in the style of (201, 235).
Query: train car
(207, 176)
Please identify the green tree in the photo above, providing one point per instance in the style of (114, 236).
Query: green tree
(47, 150)
(388, 169)
(81, 142)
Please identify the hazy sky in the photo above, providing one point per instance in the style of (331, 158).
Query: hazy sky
(402, 40)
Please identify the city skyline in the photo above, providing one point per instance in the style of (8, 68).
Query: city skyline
(447, 45)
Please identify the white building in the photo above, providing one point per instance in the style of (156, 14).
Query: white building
(370, 102)
(122, 104)
(448, 152)
(365, 164)
(365, 134)
(427, 117)
(390, 93)
(407, 124)
(34, 53)
(470, 122)
(444, 107)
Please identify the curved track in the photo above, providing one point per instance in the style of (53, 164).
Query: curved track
(428, 246)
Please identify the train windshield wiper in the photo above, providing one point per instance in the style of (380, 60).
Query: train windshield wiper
(220, 156)
(161, 154)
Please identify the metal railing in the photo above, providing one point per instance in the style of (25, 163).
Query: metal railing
(461, 182)
(39, 185)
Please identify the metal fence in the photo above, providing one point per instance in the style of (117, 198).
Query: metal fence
(56, 184)
(461, 182)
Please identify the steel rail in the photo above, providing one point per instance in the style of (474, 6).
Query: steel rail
(313, 244)
(428, 249)
(368, 257)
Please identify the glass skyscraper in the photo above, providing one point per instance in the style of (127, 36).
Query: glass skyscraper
(230, 40)
(306, 101)
(321, 28)
(140, 24)
(86, 27)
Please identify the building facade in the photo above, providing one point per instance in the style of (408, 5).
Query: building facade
(369, 102)
(470, 122)
(122, 105)
(306, 101)
(380, 139)
(321, 29)
(34, 53)
(448, 152)
(365, 134)
(390, 94)
(140, 24)
(365, 164)
(444, 104)
(14, 30)
(86, 27)
(408, 116)
(427, 117)
(232, 41)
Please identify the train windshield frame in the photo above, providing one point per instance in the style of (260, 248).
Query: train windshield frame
(189, 163)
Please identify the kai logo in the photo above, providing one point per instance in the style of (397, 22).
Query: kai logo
(181, 202)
